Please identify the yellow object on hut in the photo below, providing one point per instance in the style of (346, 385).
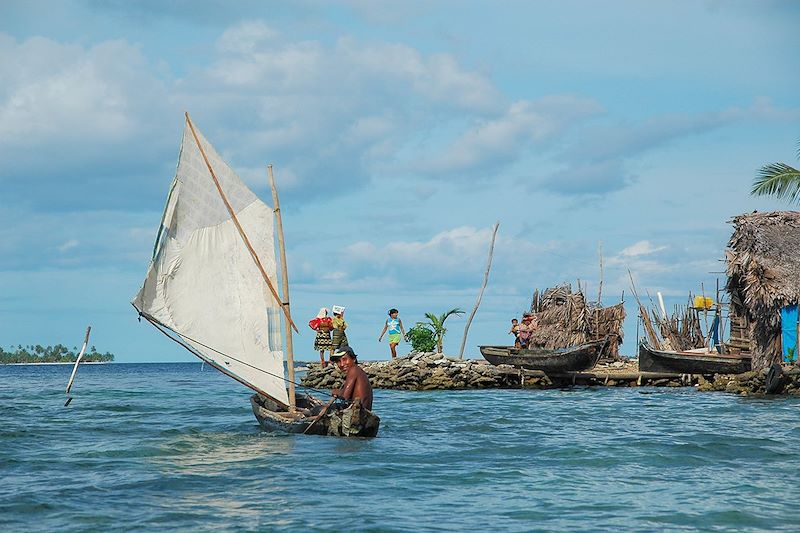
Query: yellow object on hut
(703, 302)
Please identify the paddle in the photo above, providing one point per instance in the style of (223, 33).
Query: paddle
(322, 413)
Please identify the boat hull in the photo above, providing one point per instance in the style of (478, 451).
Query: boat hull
(572, 359)
(652, 360)
(347, 421)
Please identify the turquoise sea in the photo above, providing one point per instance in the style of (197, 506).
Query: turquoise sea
(156, 447)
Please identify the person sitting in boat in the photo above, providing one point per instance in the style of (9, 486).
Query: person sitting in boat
(339, 325)
(515, 331)
(323, 325)
(526, 329)
(356, 382)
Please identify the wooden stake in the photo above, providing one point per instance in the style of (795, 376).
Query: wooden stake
(285, 287)
(77, 362)
(480, 294)
(238, 225)
(600, 288)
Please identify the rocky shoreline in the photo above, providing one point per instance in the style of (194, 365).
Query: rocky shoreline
(434, 371)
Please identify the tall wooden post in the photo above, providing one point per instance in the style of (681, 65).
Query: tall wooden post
(285, 288)
(480, 294)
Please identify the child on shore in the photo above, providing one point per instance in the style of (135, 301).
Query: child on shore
(396, 332)
(515, 331)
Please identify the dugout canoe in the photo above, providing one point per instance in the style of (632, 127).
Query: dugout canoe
(312, 417)
(691, 362)
(571, 359)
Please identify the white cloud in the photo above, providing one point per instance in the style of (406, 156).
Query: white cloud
(53, 91)
(641, 248)
(505, 138)
(68, 245)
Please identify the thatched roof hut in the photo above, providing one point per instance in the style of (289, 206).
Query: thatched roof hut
(566, 319)
(763, 268)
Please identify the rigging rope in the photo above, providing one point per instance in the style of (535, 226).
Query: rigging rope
(161, 327)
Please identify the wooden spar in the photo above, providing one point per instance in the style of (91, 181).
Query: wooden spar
(480, 294)
(284, 287)
(78, 360)
(320, 415)
(238, 225)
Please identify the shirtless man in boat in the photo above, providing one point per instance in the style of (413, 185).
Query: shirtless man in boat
(356, 382)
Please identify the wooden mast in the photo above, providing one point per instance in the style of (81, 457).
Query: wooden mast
(284, 287)
(238, 225)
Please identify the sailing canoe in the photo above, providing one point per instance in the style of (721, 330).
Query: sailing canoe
(652, 360)
(210, 288)
(347, 421)
(572, 359)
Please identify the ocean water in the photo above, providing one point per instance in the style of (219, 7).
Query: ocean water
(155, 447)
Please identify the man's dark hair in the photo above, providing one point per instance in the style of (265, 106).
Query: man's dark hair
(393, 310)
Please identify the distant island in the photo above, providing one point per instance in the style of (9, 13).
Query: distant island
(52, 354)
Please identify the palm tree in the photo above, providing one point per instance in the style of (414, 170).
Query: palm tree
(778, 180)
(436, 323)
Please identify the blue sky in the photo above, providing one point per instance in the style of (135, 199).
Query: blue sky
(399, 133)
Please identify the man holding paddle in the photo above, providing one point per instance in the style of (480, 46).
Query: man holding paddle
(356, 382)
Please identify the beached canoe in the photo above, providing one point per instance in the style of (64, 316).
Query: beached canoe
(691, 362)
(352, 420)
(572, 359)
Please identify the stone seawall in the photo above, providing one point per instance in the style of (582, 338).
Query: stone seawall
(433, 371)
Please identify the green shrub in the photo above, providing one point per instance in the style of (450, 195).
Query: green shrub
(422, 338)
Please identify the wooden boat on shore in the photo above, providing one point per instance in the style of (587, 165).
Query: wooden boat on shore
(210, 287)
(572, 359)
(691, 362)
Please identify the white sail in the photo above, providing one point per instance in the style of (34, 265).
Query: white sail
(204, 285)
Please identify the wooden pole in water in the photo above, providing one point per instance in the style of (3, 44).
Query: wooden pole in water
(480, 294)
(284, 287)
(237, 224)
(77, 362)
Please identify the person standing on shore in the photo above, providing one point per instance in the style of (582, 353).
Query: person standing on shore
(339, 325)
(396, 331)
(323, 325)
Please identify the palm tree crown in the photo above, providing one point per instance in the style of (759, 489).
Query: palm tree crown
(778, 180)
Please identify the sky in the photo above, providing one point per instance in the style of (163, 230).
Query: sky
(399, 132)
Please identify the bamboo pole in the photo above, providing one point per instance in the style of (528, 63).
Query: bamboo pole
(284, 287)
(480, 294)
(238, 225)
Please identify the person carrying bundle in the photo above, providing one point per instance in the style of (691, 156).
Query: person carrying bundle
(323, 342)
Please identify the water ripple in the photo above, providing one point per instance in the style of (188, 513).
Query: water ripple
(156, 447)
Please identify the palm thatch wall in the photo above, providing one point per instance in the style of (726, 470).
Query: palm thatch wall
(763, 268)
(565, 319)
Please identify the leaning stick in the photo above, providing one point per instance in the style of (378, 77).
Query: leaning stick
(480, 294)
(77, 362)
(238, 225)
(284, 287)
(320, 415)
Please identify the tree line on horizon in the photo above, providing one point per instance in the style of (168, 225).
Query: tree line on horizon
(51, 354)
